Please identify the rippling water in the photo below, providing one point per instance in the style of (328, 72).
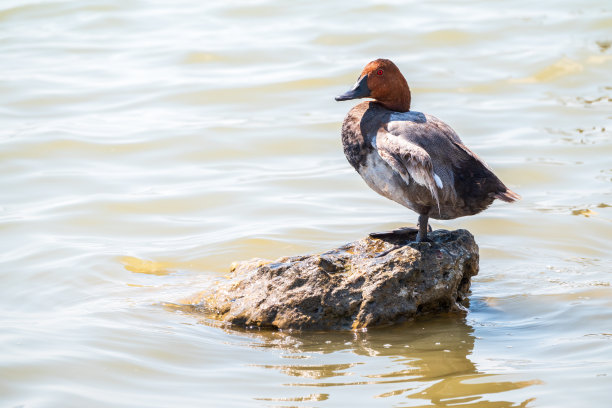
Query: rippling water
(145, 145)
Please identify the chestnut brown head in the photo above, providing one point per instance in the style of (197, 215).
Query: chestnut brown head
(382, 81)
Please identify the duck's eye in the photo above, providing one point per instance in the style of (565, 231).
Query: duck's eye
(379, 72)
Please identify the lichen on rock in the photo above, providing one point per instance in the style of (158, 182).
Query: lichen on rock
(365, 283)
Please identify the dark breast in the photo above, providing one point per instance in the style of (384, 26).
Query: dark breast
(353, 142)
(357, 130)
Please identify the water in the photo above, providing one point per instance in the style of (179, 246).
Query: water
(145, 145)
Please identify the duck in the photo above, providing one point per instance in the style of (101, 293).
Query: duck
(413, 158)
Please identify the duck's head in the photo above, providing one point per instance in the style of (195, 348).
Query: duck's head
(381, 80)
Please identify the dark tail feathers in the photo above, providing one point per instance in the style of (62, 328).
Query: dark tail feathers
(508, 196)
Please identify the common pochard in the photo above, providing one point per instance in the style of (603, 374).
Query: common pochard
(410, 157)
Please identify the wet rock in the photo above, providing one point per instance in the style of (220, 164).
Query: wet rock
(365, 283)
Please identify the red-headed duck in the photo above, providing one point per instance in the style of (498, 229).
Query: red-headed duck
(410, 157)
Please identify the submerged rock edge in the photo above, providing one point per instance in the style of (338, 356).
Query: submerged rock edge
(354, 286)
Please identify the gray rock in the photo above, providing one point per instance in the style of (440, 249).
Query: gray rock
(366, 283)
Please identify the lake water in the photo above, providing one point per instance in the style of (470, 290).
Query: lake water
(145, 145)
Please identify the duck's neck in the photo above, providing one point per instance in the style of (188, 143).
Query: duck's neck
(398, 99)
(398, 105)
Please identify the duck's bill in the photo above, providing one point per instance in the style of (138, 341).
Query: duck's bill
(359, 90)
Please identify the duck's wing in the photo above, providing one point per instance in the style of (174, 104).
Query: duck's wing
(409, 160)
(462, 171)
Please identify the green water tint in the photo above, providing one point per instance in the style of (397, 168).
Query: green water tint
(427, 360)
(145, 146)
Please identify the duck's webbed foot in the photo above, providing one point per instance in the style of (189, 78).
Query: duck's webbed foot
(397, 237)
(406, 234)
(420, 238)
(394, 233)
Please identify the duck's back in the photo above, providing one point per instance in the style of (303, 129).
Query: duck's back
(421, 162)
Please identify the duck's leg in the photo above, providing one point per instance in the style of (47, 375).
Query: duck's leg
(423, 227)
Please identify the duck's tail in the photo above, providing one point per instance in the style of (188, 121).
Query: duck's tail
(508, 196)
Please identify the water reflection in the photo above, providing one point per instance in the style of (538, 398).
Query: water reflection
(413, 364)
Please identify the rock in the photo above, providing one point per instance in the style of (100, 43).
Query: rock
(366, 283)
